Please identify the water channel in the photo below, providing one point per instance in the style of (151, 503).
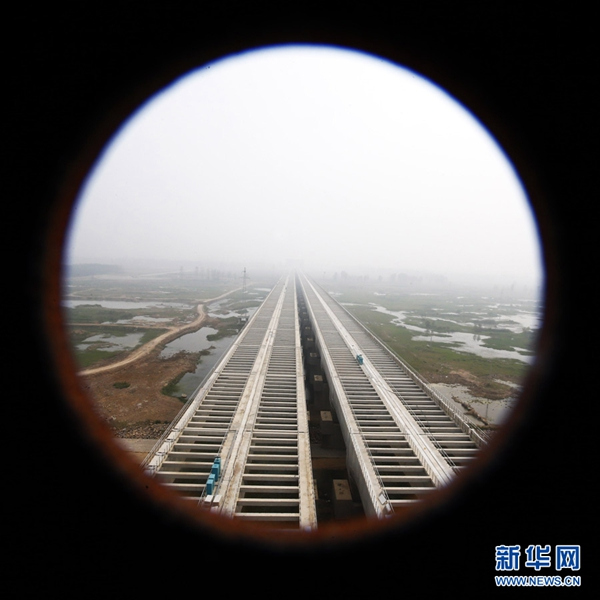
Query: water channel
(198, 342)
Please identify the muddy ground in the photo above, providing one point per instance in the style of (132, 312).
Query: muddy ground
(140, 410)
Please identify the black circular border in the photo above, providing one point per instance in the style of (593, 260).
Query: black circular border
(518, 71)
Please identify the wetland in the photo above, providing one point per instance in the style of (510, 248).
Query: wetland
(109, 319)
(473, 346)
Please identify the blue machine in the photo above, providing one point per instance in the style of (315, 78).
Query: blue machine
(215, 473)
(216, 469)
(210, 485)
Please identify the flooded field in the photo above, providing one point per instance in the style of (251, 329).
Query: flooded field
(125, 304)
(209, 342)
(104, 330)
(105, 342)
(473, 346)
(518, 318)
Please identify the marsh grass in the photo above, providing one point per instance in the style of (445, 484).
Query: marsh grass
(100, 351)
(172, 388)
(438, 361)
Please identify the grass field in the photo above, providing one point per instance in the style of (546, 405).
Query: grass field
(423, 332)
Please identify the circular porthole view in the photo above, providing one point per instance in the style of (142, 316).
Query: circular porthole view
(302, 289)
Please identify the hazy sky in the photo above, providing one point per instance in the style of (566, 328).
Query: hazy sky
(333, 157)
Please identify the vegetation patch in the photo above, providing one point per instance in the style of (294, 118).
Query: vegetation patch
(442, 363)
(224, 327)
(503, 339)
(172, 388)
(238, 306)
(103, 351)
(96, 356)
(95, 313)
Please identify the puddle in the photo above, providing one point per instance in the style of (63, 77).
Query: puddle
(494, 412)
(111, 343)
(190, 342)
(466, 341)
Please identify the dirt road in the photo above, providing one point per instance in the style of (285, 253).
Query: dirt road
(140, 409)
(172, 334)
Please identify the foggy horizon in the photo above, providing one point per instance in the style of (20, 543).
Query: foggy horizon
(318, 157)
(257, 272)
